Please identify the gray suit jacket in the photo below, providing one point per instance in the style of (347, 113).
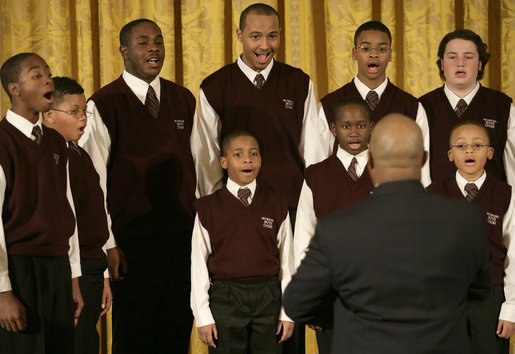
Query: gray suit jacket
(397, 268)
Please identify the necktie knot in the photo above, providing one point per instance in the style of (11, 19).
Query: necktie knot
(151, 102)
(36, 132)
(372, 99)
(352, 169)
(74, 147)
(461, 107)
(259, 81)
(471, 190)
(244, 195)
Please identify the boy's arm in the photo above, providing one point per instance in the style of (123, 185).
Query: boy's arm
(12, 311)
(315, 132)
(285, 245)
(421, 121)
(305, 224)
(205, 147)
(507, 314)
(509, 149)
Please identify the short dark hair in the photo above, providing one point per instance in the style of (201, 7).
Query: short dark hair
(65, 86)
(372, 26)
(347, 100)
(126, 31)
(258, 8)
(11, 69)
(229, 137)
(467, 35)
(470, 122)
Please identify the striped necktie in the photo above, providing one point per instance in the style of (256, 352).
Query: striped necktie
(38, 134)
(352, 169)
(74, 147)
(244, 195)
(461, 107)
(259, 81)
(471, 190)
(372, 99)
(151, 102)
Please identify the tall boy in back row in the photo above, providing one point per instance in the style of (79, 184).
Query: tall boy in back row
(373, 51)
(491, 322)
(335, 184)
(39, 249)
(462, 58)
(68, 116)
(139, 140)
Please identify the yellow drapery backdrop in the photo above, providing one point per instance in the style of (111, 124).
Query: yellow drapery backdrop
(80, 39)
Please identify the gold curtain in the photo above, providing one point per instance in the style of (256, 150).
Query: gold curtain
(80, 39)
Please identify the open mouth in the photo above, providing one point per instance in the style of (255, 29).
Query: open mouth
(355, 145)
(81, 129)
(49, 96)
(154, 61)
(247, 171)
(262, 57)
(470, 161)
(373, 68)
(460, 74)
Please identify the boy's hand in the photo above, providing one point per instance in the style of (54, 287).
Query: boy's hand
(116, 259)
(12, 313)
(208, 334)
(107, 297)
(77, 299)
(287, 328)
(505, 329)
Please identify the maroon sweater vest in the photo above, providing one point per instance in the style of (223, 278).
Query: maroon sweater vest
(150, 175)
(332, 187)
(88, 200)
(37, 217)
(243, 239)
(494, 199)
(489, 107)
(275, 113)
(393, 100)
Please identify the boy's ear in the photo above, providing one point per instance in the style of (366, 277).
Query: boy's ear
(354, 51)
(123, 51)
(239, 34)
(450, 155)
(48, 117)
(490, 153)
(332, 126)
(223, 162)
(14, 89)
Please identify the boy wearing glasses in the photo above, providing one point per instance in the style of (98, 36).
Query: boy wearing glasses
(462, 58)
(335, 183)
(491, 322)
(68, 116)
(372, 51)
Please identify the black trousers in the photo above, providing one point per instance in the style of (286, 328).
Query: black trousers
(151, 307)
(246, 316)
(483, 319)
(44, 287)
(324, 340)
(91, 284)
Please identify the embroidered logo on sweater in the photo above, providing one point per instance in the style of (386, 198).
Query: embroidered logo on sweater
(491, 218)
(490, 123)
(267, 222)
(180, 123)
(288, 103)
(56, 159)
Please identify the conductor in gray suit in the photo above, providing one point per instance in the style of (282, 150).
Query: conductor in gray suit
(397, 268)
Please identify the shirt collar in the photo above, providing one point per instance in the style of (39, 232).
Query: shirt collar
(364, 89)
(346, 158)
(140, 87)
(462, 182)
(22, 124)
(453, 98)
(251, 73)
(233, 187)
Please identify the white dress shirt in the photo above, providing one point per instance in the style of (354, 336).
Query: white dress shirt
(508, 232)
(306, 220)
(24, 126)
(206, 132)
(509, 148)
(201, 249)
(421, 120)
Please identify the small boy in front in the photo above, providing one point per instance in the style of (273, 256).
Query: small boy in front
(241, 257)
(68, 116)
(373, 51)
(335, 183)
(39, 249)
(492, 322)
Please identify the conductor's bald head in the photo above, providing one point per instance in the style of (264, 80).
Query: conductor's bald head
(396, 150)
